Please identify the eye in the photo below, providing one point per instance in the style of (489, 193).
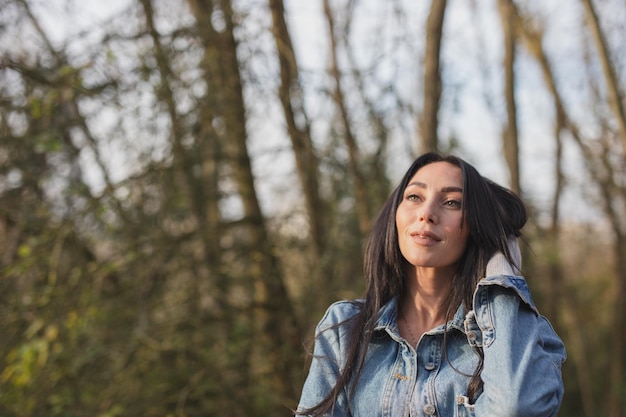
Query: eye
(453, 203)
(412, 197)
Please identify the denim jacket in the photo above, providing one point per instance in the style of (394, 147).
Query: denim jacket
(521, 371)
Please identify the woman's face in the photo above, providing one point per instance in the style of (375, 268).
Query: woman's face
(429, 218)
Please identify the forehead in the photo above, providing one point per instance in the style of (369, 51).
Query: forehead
(438, 175)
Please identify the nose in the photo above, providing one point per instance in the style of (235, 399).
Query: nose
(427, 211)
(426, 215)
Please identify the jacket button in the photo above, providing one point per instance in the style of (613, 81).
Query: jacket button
(471, 336)
(429, 366)
(429, 409)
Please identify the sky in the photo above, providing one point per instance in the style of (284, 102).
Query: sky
(471, 38)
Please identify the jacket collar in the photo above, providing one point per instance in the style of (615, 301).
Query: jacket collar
(388, 320)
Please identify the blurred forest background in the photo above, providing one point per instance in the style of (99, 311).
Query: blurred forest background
(185, 185)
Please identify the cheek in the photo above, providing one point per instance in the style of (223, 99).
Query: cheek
(461, 236)
(464, 238)
(401, 219)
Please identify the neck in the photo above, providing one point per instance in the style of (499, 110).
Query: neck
(425, 302)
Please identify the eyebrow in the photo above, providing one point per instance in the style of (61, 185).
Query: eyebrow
(450, 189)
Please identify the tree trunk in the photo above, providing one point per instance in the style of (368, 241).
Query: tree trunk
(612, 190)
(276, 337)
(378, 184)
(292, 100)
(432, 77)
(362, 203)
(617, 373)
(617, 403)
(612, 83)
(604, 175)
(510, 134)
(561, 299)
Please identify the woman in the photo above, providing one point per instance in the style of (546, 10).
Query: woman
(448, 327)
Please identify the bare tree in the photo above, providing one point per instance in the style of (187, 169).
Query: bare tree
(378, 186)
(432, 77)
(563, 304)
(298, 128)
(510, 133)
(276, 334)
(611, 187)
(613, 91)
(130, 296)
(600, 162)
(362, 203)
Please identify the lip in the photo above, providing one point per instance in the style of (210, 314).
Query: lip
(425, 237)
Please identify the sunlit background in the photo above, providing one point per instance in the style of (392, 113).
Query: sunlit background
(186, 185)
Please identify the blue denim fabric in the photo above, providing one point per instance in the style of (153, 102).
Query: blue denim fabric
(522, 361)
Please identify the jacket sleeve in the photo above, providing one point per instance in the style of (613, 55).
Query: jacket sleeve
(326, 364)
(522, 353)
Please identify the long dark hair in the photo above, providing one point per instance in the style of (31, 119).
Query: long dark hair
(491, 212)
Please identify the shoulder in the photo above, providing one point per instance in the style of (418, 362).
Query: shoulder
(339, 313)
(333, 331)
(511, 285)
